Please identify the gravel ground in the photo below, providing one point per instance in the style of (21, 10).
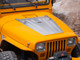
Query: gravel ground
(69, 12)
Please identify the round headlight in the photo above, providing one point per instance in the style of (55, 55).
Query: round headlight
(41, 47)
(71, 41)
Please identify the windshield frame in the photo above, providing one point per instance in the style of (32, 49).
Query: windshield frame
(17, 4)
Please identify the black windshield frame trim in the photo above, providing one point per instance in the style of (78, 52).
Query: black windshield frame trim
(25, 10)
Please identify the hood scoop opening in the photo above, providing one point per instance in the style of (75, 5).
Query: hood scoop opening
(29, 15)
(43, 25)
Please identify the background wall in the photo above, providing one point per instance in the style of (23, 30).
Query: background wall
(69, 12)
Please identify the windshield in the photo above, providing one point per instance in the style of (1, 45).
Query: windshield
(21, 3)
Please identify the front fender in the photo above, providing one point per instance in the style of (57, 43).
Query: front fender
(17, 44)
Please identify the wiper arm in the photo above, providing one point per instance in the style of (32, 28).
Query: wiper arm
(6, 2)
(36, 3)
(10, 4)
(33, 4)
(1, 2)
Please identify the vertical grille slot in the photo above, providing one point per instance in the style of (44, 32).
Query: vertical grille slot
(64, 44)
(55, 46)
(47, 49)
(53, 49)
(50, 49)
(59, 46)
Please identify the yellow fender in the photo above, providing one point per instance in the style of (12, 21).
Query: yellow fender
(17, 44)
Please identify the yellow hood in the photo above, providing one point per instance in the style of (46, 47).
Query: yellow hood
(23, 34)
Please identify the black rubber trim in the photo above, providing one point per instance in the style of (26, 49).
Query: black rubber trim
(24, 10)
(26, 6)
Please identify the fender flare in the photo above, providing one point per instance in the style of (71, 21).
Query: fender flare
(17, 44)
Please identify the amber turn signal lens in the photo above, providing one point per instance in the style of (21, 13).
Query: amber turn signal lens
(42, 54)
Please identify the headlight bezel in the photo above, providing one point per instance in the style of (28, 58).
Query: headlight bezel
(71, 41)
(43, 47)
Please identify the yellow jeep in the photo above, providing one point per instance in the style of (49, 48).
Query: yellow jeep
(29, 28)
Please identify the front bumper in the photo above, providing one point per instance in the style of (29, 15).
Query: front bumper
(78, 58)
(62, 55)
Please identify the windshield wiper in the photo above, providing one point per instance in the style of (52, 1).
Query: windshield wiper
(33, 4)
(6, 2)
(36, 3)
(10, 5)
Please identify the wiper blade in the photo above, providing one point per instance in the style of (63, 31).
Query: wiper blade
(1, 2)
(36, 3)
(6, 2)
(33, 4)
(10, 4)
